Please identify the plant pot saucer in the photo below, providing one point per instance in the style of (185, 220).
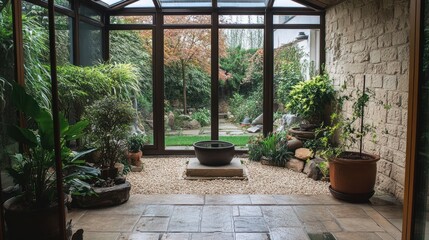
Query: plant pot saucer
(352, 198)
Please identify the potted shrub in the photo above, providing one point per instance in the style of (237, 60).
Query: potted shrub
(135, 146)
(352, 173)
(35, 211)
(110, 120)
(309, 100)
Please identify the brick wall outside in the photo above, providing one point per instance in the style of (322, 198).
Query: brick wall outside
(371, 38)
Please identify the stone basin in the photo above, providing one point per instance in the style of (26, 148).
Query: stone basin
(214, 153)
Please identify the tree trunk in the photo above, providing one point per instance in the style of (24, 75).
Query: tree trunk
(185, 107)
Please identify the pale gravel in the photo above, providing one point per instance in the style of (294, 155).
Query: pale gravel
(164, 175)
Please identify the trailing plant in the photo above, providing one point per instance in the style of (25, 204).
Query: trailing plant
(33, 169)
(136, 142)
(110, 120)
(202, 116)
(309, 98)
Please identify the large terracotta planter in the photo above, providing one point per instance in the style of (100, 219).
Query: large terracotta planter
(352, 177)
(23, 223)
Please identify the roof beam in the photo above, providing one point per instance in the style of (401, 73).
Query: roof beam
(157, 4)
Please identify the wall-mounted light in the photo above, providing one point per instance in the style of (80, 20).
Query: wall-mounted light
(301, 36)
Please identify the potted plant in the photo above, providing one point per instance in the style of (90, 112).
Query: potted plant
(34, 170)
(352, 173)
(135, 146)
(110, 120)
(308, 100)
(274, 149)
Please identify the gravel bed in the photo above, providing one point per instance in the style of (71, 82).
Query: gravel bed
(164, 175)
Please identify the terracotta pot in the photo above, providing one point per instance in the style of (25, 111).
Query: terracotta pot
(25, 223)
(353, 177)
(134, 158)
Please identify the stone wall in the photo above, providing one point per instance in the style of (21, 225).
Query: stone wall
(371, 38)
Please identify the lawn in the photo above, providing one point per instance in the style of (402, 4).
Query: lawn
(189, 140)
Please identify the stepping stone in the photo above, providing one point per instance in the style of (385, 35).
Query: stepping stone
(195, 170)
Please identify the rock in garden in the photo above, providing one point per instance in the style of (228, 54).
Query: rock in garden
(290, 119)
(294, 144)
(194, 124)
(258, 120)
(171, 120)
(137, 168)
(255, 129)
(120, 167)
(303, 153)
(312, 169)
(295, 164)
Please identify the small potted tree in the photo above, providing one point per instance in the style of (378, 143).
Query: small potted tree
(135, 147)
(34, 213)
(110, 120)
(352, 173)
(309, 100)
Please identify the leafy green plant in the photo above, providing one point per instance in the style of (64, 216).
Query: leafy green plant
(136, 142)
(350, 130)
(110, 120)
(307, 99)
(33, 169)
(273, 147)
(202, 116)
(255, 148)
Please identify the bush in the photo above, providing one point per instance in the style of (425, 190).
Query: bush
(255, 148)
(308, 99)
(110, 120)
(273, 147)
(242, 106)
(202, 116)
(136, 142)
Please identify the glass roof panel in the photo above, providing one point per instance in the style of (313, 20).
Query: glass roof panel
(141, 4)
(111, 2)
(300, 19)
(185, 3)
(241, 3)
(287, 3)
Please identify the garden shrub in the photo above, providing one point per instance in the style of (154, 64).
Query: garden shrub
(242, 106)
(202, 116)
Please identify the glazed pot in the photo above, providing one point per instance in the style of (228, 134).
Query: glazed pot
(214, 153)
(302, 134)
(353, 176)
(24, 223)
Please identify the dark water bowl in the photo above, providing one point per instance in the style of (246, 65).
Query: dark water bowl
(214, 153)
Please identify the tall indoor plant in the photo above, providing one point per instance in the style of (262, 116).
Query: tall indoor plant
(33, 169)
(352, 173)
(110, 120)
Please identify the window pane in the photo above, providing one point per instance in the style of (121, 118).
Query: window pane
(287, 3)
(131, 19)
(185, 3)
(291, 19)
(141, 4)
(64, 3)
(88, 12)
(187, 19)
(241, 3)
(241, 19)
(296, 58)
(135, 48)
(63, 36)
(187, 87)
(240, 84)
(89, 44)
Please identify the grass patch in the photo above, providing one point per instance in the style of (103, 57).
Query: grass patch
(189, 140)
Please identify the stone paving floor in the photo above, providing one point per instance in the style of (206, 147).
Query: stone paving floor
(240, 217)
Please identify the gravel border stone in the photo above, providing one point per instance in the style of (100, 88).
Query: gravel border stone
(164, 175)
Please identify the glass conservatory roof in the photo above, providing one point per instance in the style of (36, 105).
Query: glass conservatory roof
(199, 3)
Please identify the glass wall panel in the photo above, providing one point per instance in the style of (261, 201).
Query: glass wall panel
(89, 12)
(293, 19)
(148, 19)
(187, 19)
(89, 44)
(135, 48)
(296, 58)
(240, 84)
(187, 87)
(241, 19)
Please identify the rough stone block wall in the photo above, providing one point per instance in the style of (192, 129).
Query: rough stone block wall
(371, 38)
